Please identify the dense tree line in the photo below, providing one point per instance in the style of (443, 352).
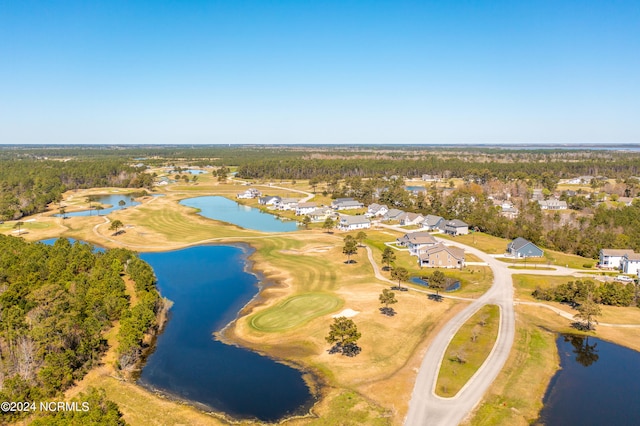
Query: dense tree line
(28, 185)
(577, 292)
(56, 302)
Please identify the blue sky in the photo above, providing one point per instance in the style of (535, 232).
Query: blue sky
(320, 71)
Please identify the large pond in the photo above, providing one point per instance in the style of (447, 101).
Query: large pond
(110, 200)
(225, 210)
(598, 384)
(209, 285)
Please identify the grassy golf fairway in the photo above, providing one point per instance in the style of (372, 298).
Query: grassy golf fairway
(468, 350)
(295, 311)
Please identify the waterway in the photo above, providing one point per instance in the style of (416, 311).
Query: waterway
(598, 384)
(225, 210)
(209, 285)
(111, 200)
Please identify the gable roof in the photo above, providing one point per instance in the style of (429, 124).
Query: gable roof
(432, 220)
(353, 220)
(615, 252)
(456, 223)
(455, 252)
(421, 237)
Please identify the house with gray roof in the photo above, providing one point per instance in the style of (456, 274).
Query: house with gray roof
(612, 258)
(305, 208)
(346, 204)
(269, 200)
(416, 241)
(522, 248)
(393, 214)
(411, 219)
(376, 210)
(433, 223)
(630, 263)
(352, 223)
(456, 227)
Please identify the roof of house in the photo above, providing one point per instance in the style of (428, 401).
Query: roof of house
(288, 200)
(411, 216)
(307, 205)
(550, 203)
(353, 220)
(456, 223)
(375, 207)
(347, 203)
(422, 237)
(394, 213)
(456, 252)
(432, 220)
(518, 243)
(635, 257)
(615, 252)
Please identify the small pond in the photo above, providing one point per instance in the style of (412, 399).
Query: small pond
(598, 384)
(416, 188)
(452, 286)
(112, 200)
(225, 210)
(51, 241)
(209, 285)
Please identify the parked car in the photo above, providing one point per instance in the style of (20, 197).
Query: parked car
(624, 278)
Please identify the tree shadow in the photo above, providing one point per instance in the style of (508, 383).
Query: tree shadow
(388, 311)
(396, 288)
(348, 262)
(436, 297)
(582, 326)
(348, 349)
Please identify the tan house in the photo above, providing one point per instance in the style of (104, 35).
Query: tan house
(441, 256)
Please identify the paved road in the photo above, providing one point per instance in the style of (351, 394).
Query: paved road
(426, 408)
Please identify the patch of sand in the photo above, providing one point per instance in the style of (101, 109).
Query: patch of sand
(346, 313)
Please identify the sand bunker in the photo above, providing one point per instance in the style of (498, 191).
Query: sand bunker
(346, 313)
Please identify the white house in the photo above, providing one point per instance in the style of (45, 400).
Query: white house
(552, 204)
(269, 200)
(411, 219)
(416, 241)
(351, 223)
(346, 204)
(612, 258)
(375, 210)
(287, 204)
(430, 178)
(631, 263)
(249, 193)
(305, 208)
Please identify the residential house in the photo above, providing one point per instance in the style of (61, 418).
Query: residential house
(537, 195)
(456, 227)
(433, 223)
(552, 204)
(376, 210)
(411, 219)
(321, 214)
(352, 223)
(430, 178)
(580, 180)
(522, 248)
(612, 258)
(631, 263)
(305, 208)
(415, 241)
(441, 256)
(269, 200)
(287, 204)
(346, 204)
(249, 193)
(393, 214)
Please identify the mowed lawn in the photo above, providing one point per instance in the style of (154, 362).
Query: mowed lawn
(295, 311)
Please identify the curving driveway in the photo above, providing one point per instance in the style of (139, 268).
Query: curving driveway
(426, 408)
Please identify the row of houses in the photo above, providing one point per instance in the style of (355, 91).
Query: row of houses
(625, 260)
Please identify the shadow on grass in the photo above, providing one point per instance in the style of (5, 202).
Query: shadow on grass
(388, 311)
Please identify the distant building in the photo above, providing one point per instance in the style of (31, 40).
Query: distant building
(305, 208)
(612, 258)
(430, 178)
(393, 214)
(433, 223)
(249, 193)
(287, 204)
(352, 223)
(522, 248)
(376, 210)
(269, 200)
(321, 214)
(456, 227)
(346, 204)
(552, 204)
(441, 256)
(408, 219)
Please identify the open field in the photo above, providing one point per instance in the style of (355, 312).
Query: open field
(468, 350)
(482, 241)
(294, 311)
(524, 285)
